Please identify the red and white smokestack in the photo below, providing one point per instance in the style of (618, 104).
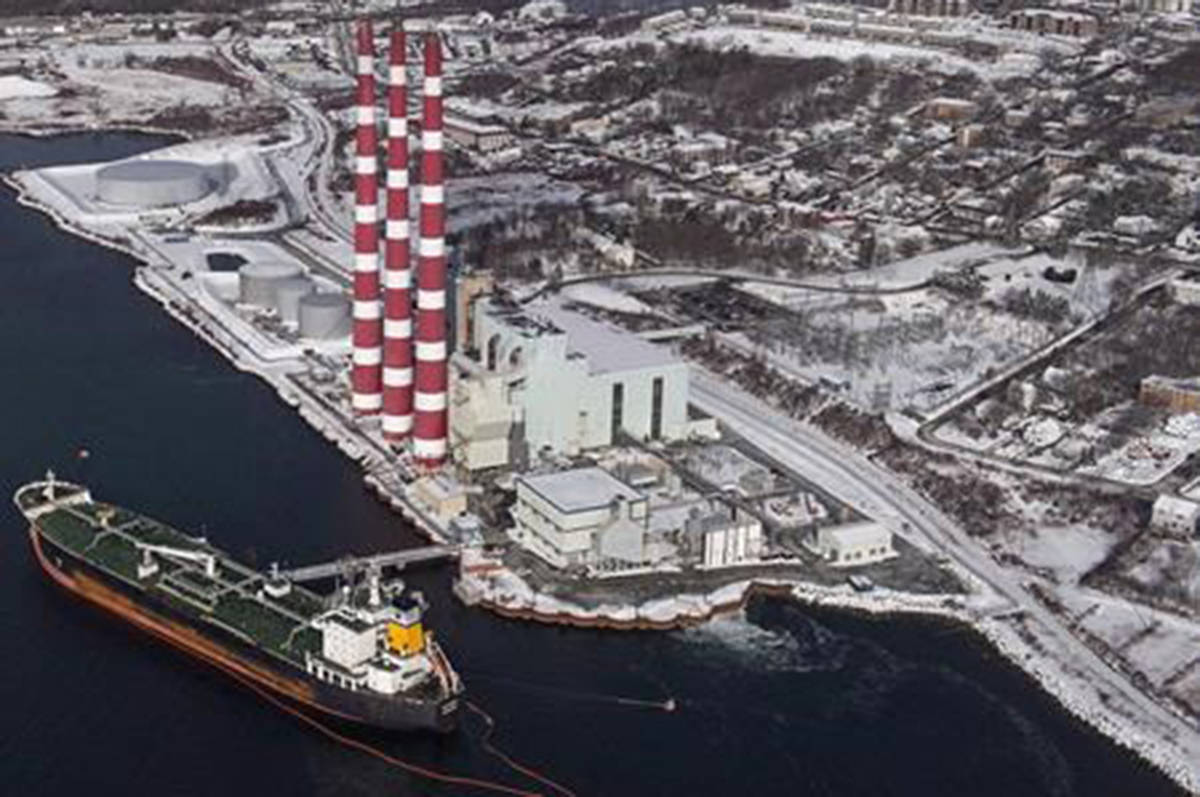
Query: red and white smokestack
(429, 401)
(365, 378)
(397, 276)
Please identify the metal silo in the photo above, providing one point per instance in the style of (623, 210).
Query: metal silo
(258, 282)
(288, 295)
(324, 316)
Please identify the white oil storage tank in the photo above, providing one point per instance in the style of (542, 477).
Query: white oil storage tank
(259, 281)
(152, 183)
(288, 295)
(324, 316)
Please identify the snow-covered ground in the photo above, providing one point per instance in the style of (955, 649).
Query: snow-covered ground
(235, 168)
(14, 86)
(85, 85)
(917, 347)
(796, 44)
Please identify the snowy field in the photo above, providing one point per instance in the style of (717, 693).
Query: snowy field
(795, 44)
(918, 347)
(88, 85)
(15, 86)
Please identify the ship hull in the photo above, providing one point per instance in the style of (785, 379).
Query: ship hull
(234, 656)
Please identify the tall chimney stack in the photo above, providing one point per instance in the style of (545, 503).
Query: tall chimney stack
(397, 274)
(429, 402)
(365, 377)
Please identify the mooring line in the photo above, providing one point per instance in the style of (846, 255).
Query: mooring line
(486, 741)
(407, 766)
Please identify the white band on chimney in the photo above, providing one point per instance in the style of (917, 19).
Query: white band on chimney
(431, 300)
(366, 262)
(397, 178)
(364, 164)
(366, 65)
(424, 448)
(429, 402)
(397, 377)
(393, 328)
(397, 74)
(430, 350)
(433, 86)
(365, 214)
(365, 115)
(367, 401)
(366, 310)
(432, 194)
(397, 279)
(397, 424)
(397, 229)
(397, 127)
(431, 140)
(367, 356)
(432, 247)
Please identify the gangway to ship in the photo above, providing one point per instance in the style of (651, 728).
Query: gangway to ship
(373, 563)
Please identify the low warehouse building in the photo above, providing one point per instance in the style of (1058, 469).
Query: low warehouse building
(855, 544)
(1175, 395)
(444, 497)
(1175, 516)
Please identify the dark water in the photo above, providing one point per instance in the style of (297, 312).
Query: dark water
(784, 701)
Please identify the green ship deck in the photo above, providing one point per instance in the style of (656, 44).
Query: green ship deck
(233, 597)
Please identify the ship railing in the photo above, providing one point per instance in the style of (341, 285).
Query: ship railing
(77, 495)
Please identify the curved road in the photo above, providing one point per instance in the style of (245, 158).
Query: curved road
(729, 274)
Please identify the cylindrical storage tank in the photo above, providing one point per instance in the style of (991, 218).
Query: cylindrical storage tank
(288, 295)
(324, 316)
(258, 282)
(152, 183)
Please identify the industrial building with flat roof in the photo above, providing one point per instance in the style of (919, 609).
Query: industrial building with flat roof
(549, 380)
(581, 516)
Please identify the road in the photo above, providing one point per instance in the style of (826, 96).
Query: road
(881, 494)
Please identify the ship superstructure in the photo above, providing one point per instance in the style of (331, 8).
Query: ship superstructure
(363, 655)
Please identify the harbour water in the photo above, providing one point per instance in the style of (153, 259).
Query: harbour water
(781, 700)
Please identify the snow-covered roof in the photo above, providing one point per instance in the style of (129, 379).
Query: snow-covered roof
(1167, 504)
(581, 489)
(866, 532)
(608, 349)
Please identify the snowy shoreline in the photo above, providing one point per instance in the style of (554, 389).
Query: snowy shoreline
(690, 610)
(26, 131)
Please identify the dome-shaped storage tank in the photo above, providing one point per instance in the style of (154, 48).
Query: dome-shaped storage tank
(288, 295)
(324, 316)
(152, 183)
(258, 282)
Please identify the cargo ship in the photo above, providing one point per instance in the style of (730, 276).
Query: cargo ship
(361, 655)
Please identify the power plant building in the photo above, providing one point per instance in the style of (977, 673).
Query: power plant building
(554, 381)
